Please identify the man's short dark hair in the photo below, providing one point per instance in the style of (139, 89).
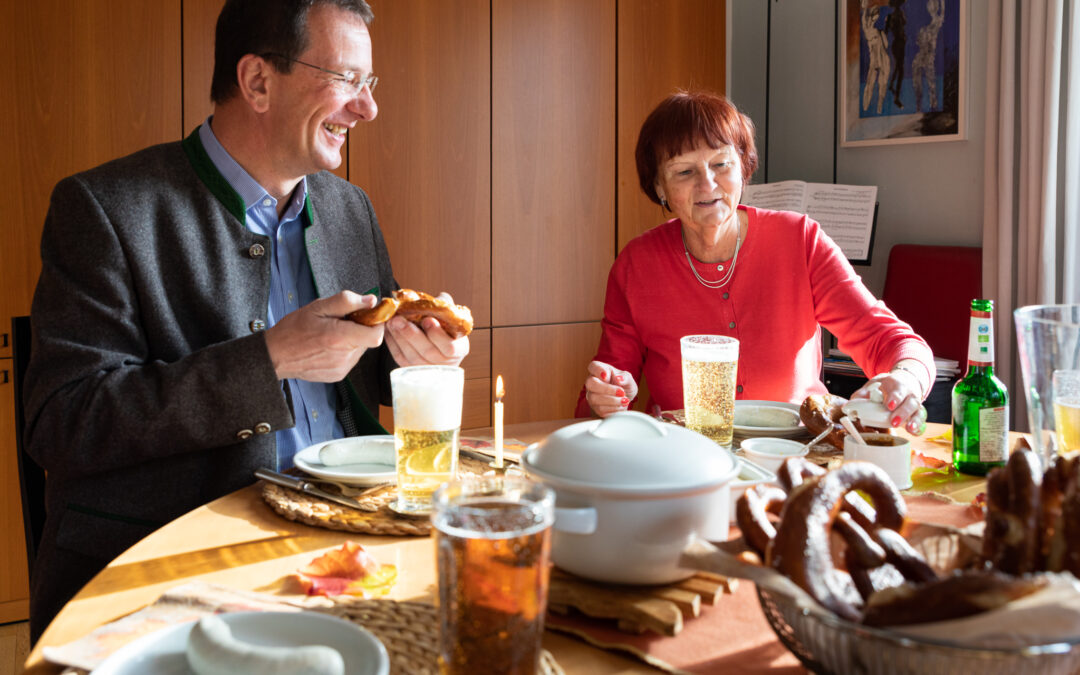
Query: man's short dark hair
(263, 27)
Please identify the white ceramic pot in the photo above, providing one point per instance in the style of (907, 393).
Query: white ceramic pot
(630, 494)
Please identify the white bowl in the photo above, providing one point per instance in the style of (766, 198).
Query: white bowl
(770, 453)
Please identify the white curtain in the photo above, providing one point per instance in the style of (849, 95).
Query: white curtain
(1031, 245)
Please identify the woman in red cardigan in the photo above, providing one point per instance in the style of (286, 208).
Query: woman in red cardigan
(771, 279)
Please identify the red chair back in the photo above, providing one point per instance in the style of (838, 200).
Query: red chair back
(931, 288)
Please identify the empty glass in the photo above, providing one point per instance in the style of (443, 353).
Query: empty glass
(1048, 341)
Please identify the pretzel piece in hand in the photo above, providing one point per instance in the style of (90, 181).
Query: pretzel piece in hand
(414, 306)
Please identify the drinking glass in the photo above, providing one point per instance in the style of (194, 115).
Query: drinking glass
(493, 544)
(1066, 385)
(427, 423)
(709, 364)
(1048, 342)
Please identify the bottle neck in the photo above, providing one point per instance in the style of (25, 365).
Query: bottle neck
(981, 342)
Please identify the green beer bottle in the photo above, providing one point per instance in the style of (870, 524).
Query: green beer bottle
(980, 403)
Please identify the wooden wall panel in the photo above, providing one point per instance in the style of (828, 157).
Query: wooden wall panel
(553, 159)
(200, 18)
(88, 81)
(425, 160)
(692, 35)
(543, 368)
(78, 97)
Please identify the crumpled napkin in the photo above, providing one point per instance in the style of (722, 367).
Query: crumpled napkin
(349, 570)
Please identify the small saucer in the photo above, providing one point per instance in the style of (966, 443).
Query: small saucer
(393, 506)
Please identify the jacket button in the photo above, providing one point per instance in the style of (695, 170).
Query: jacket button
(262, 428)
(243, 434)
(256, 251)
(257, 325)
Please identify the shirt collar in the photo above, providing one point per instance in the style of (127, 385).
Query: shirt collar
(247, 187)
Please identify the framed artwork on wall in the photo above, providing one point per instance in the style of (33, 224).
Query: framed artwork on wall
(903, 71)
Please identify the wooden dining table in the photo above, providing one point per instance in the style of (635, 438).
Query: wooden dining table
(238, 541)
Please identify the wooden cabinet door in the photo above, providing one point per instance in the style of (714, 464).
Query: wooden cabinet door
(89, 80)
(664, 45)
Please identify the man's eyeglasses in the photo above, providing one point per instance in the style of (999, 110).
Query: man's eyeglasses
(349, 78)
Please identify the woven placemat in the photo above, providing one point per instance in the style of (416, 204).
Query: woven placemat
(410, 633)
(375, 518)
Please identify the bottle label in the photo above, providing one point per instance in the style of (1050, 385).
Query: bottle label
(994, 434)
(981, 339)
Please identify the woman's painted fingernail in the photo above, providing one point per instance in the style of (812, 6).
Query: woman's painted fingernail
(618, 378)
(620, 393)
(896, 421)
(892, 405)
(625, 402)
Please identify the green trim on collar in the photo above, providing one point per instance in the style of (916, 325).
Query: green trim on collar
(308, 212)
(211, 177)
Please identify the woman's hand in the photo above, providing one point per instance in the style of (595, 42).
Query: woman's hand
(608, 389)
(902, 395)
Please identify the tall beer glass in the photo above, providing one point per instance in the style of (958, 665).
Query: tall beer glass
(493, 542)
(709, 364)
(427, 421)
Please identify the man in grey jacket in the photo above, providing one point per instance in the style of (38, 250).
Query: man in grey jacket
(187, 323)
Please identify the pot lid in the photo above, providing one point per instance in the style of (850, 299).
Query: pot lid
(631, 449)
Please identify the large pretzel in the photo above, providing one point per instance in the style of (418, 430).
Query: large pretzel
(801, 549)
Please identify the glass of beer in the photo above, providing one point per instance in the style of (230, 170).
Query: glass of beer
(1067, 409)
(493, 544)
(709, 364)
(427, 421)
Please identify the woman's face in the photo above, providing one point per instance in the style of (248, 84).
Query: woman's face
(702, 187)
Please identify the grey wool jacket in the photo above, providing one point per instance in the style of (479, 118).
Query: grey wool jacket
(150, 389)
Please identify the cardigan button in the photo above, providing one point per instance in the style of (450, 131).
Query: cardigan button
(731, 324)
(243, 434)
(738, 389)
(257, 251)
(726, 295)
(257, 325)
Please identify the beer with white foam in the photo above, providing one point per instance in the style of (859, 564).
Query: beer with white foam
(427, 424)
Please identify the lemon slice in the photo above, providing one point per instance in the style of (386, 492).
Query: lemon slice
(429, 460)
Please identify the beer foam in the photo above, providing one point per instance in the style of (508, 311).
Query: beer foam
(427, 398)
(709, 349)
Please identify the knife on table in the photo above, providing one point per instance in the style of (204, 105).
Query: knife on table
(304, 486)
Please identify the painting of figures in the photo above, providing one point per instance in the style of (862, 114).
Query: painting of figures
(902, 71)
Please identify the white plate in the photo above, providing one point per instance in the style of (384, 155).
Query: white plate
(779, 432)
(351, 474)
(164, 652)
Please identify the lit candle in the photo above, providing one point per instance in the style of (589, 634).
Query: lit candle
(499, 393)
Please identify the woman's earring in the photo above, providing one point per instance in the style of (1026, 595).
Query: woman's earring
(663, 202)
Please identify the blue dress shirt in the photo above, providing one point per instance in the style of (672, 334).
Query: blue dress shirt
(291, 286)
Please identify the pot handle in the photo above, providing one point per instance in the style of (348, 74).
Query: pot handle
(575, 521)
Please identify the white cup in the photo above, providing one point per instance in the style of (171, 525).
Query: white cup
(891, 453)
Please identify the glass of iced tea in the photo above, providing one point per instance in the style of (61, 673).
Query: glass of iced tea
(709, 364)
(427, 422)
(493, 544)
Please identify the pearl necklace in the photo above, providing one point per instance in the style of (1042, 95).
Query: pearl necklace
(731, 268)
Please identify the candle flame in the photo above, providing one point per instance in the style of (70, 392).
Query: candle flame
(499, 391)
